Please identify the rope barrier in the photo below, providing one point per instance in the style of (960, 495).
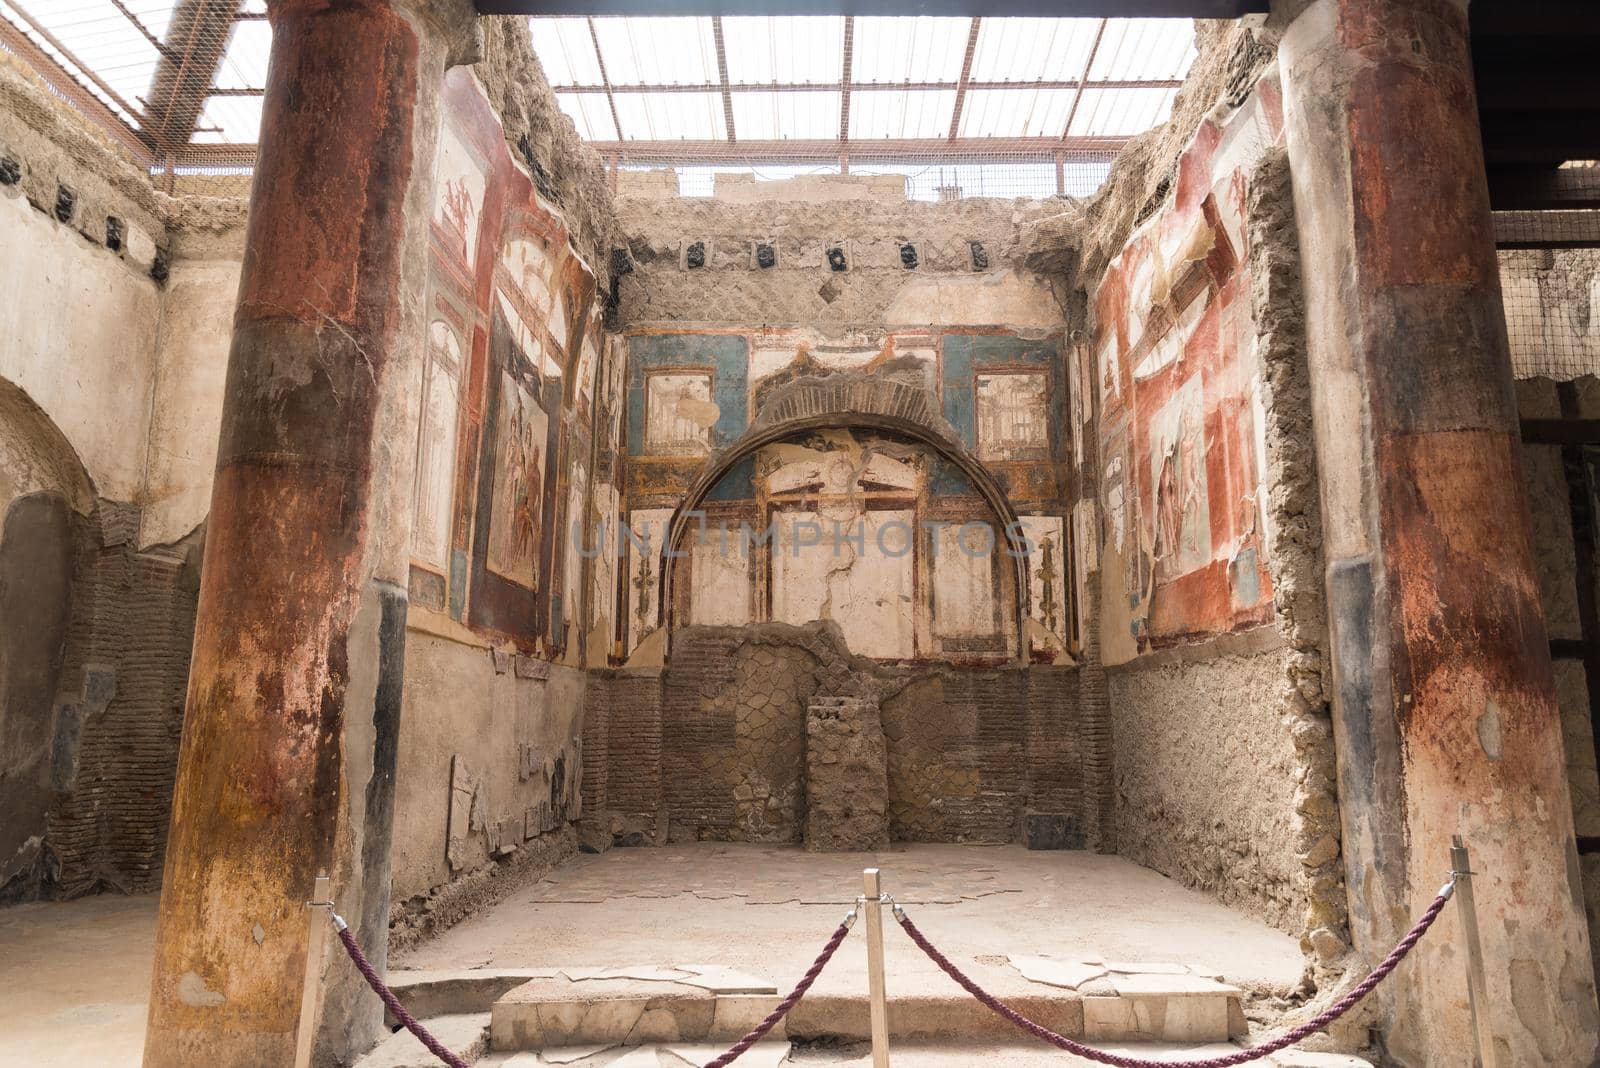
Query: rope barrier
(1283, 1041)
(793, 999)
(438, 1049)
(368, 972)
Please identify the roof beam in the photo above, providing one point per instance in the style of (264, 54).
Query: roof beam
(722, 75)
(1540, 190)
(1083, 83)
(966, 74)
(847, 76)
(155, 42)
(927, 149)
(1189, 9)
(605, 79)
(197, 37)
(829, 87)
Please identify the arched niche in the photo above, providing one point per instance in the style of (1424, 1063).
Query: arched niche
(851, 402)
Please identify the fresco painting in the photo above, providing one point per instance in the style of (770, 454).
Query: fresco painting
(1181, 439)
(511, 401)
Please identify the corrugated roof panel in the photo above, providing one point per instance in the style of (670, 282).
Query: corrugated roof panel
(1016, 112)
(1121, 112)
(922, 49)
(566, 51)
(657, 51)
(784, 48)
(1024, 50)
(244, 64)
(671, 116)
(809, 114)
(590, 113)
(1141, 49)
(878, 113)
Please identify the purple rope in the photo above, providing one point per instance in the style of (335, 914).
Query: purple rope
(1322, 1020)
(437, 1048)
(787, 1003)
(364, 966)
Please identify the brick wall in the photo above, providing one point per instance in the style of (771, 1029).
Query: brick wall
(714, 747)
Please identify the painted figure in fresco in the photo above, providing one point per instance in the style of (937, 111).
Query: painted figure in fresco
(516, 519)
(458, 208)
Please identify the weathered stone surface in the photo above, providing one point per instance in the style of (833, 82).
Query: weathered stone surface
(847, 782)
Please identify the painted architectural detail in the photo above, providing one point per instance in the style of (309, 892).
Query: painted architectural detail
(436, 448)
(1180, 435)
(1012, 416)
(679, 414)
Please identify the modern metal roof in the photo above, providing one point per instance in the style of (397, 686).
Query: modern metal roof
(945, 100)
(950, 96)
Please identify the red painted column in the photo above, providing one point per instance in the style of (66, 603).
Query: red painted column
(1445, 709)
(286, 767)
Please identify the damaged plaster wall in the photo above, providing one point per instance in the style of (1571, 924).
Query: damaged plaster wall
(714, 746)
(1207, 575)
(518, 432)
(103, 371)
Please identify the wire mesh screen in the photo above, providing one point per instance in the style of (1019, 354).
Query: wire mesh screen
(1550, 278)
(177, 84)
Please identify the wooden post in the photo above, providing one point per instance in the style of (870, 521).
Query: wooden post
(875, 982)
(1477, 997)
(317, 910)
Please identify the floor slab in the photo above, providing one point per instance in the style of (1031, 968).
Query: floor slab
(767, 910)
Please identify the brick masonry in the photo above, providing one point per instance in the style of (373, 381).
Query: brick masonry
(712, 747)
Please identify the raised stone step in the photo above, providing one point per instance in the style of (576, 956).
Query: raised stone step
(559, 1011)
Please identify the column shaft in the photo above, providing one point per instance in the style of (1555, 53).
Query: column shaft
(1445, 705)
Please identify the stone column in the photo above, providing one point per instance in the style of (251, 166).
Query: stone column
(287, 762)
(1445, 710)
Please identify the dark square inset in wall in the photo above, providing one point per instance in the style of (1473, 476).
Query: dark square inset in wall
(766, 255)
(694, 257)
(837, 258)
(908, 256)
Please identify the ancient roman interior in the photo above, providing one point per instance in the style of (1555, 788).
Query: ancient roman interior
(588, 512)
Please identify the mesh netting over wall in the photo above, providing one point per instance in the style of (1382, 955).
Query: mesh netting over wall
(1550, 278)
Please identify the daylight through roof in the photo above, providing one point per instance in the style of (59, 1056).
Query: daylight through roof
(968, 106)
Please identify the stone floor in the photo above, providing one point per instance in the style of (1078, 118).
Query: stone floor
(76, 974)
(766, 911)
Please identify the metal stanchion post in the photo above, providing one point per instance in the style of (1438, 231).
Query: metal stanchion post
(317, 910)
(1477, 993)
(880, 1003)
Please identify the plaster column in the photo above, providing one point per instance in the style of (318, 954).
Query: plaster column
(287, 762)
(1445, 709)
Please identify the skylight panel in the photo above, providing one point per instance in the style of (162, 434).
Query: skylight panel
(879, 113)
(566, 51)
(657, 51)
(244, 64)
(1144, 49)
(805, 114)
(590, 113)
(886, 50)
(789, 49)
(1028, 50)
(1121, 112)
(1016, 112)
(229, 120)
(671, 116)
